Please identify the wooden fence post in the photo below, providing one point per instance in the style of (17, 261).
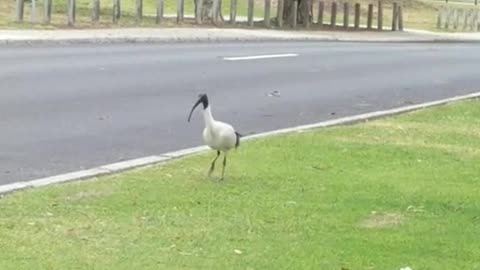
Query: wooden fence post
(116, 11)
(233, 11)
(294, 13)
(448, 18)
(440, 18)
(400, 18)
(95, 10)
(71, 12)
(474, 20)
(466, 16)
(47, 11)
(380, 15)
(478, 25)
(160, 8)
(461, 13)
(370, 16)
(250, 12)
(199, 11)
(216, 6)
(267, 13)
(394, 16)
(306, 13)
(333, 17)
(180, 8)
(280, 13)
(139, 10)
(456, 18)
(357, 16)
(19, 10)
(321, 10)
(33, 12)
(346, 14)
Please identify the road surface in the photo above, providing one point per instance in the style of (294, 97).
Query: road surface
(67, 108)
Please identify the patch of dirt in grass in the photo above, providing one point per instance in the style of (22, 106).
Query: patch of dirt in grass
(382, 220)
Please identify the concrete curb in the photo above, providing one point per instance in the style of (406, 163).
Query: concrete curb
(124, 40)
(163, 158)
(178, 35)
(152, 40)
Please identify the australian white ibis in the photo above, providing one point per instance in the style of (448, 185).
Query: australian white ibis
(219, 136)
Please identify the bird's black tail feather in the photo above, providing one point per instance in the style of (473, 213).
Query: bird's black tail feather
(237, 142)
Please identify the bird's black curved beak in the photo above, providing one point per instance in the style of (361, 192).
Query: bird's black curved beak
(202, 99)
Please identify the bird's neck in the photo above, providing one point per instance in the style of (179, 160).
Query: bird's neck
(207, 117)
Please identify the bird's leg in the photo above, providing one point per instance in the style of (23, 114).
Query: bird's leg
(212, 167)
(224, 164)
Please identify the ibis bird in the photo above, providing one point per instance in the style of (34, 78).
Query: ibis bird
(219, 136)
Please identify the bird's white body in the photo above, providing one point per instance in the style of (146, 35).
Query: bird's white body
(218, 135)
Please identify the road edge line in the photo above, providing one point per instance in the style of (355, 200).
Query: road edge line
(118, 167)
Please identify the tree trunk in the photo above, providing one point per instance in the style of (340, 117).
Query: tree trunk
(207, 10)
(304, 7)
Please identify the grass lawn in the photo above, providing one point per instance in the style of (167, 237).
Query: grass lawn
(385, 194)
(419, 14)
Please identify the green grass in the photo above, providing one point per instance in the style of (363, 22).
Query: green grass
(386, 194)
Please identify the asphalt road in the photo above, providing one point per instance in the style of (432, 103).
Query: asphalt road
(66, 108)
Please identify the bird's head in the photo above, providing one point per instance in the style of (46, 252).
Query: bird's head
(202, 98)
